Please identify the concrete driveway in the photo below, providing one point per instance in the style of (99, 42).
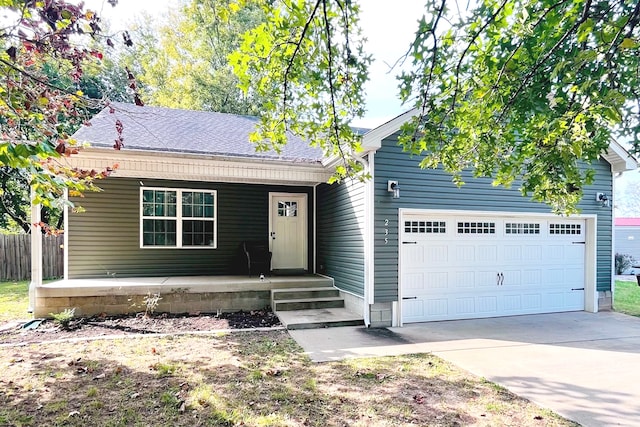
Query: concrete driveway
(581, 365)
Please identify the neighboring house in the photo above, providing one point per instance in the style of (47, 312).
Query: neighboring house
(627, 239)
(404, 246)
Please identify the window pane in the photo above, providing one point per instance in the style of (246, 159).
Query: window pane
(198, 211)
(200, 234)
(159, 196)
(208, 211)
(147, 209)
(159, 232)
(147, 239)
(208, 199)
(159, 210)
(187, 210)
(147, 196)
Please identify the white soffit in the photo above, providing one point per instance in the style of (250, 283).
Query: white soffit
(183, 167)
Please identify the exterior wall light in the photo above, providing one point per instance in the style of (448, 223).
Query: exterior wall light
(393, 187)
(603, 199)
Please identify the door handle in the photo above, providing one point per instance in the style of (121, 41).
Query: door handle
(499, 279)
(409, 297)
(273, 235)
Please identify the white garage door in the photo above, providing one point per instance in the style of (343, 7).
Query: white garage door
(464, 267)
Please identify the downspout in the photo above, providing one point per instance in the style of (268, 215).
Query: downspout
(368, 237)
(36, 252)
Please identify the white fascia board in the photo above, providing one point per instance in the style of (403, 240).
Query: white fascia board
(193, 167)
(372, 140)
(619, 158)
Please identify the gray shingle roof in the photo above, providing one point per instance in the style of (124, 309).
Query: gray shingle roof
(185, 131)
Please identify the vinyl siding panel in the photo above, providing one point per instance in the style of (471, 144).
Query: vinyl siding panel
(628, 240)
(433, 189)
(105, 239)
(340, 229)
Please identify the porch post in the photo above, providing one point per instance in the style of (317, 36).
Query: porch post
(36, 252)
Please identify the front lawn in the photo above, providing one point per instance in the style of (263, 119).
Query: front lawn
(627, 297)
(14, 300)
(243, 378)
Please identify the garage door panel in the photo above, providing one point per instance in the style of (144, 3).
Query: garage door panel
(487, 279)
(414, 281)
(465, 254)
(436, 280)
(487, 305)
(464, 280)
(532, 254)
(531, 302)
(531, 277)
(413, 309)
(465, 306)
(512, 278)
(554, 300)
(512, 303)
(493, 267)
(512, 253)
(413, 255)
(487, 253)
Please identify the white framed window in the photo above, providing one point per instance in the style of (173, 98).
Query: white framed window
(178, 218)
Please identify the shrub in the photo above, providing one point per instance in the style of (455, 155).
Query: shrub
(64, 318)
(623, 263)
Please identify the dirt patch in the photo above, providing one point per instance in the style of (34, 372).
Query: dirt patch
(99, 326)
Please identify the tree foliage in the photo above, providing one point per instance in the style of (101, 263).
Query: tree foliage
(510, 89)
(45, 49)
(182, 63)
(308, 62)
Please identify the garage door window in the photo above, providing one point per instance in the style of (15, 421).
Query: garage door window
(426, 227)
(521, 228)
(573, 229)
(476, 228)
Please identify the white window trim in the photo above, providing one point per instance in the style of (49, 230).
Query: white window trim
(178, 218)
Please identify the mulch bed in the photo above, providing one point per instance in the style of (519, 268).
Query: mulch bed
(100, 326)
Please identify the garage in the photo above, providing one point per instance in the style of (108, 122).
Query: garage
(475, 265)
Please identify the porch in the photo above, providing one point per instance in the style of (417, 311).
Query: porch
(180, 294)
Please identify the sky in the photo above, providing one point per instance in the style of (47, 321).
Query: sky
(389, 31)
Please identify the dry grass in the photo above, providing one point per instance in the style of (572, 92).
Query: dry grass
(250, 379)
(14, 300)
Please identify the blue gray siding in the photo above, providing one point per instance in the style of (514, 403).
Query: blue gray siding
(340, 230)
(105, 240)
(433, 189)
(627, 241)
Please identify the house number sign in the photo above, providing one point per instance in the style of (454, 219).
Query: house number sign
(386, 231)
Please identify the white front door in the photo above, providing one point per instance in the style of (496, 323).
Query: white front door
(288, 231)
(470, 266)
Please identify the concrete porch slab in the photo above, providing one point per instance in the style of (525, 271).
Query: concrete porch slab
(187, 284)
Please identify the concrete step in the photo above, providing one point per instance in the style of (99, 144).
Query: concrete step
(299, 293)
(307, 303)
(319, 318)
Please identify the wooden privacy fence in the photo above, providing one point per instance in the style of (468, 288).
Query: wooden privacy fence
(15, 257)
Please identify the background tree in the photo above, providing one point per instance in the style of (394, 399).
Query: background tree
(182, 63)
(510, 89)
(49, 56)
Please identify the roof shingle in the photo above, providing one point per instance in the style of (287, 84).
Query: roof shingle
(184, 131)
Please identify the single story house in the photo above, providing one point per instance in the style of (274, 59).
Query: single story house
(405, 246)
(627, 240)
